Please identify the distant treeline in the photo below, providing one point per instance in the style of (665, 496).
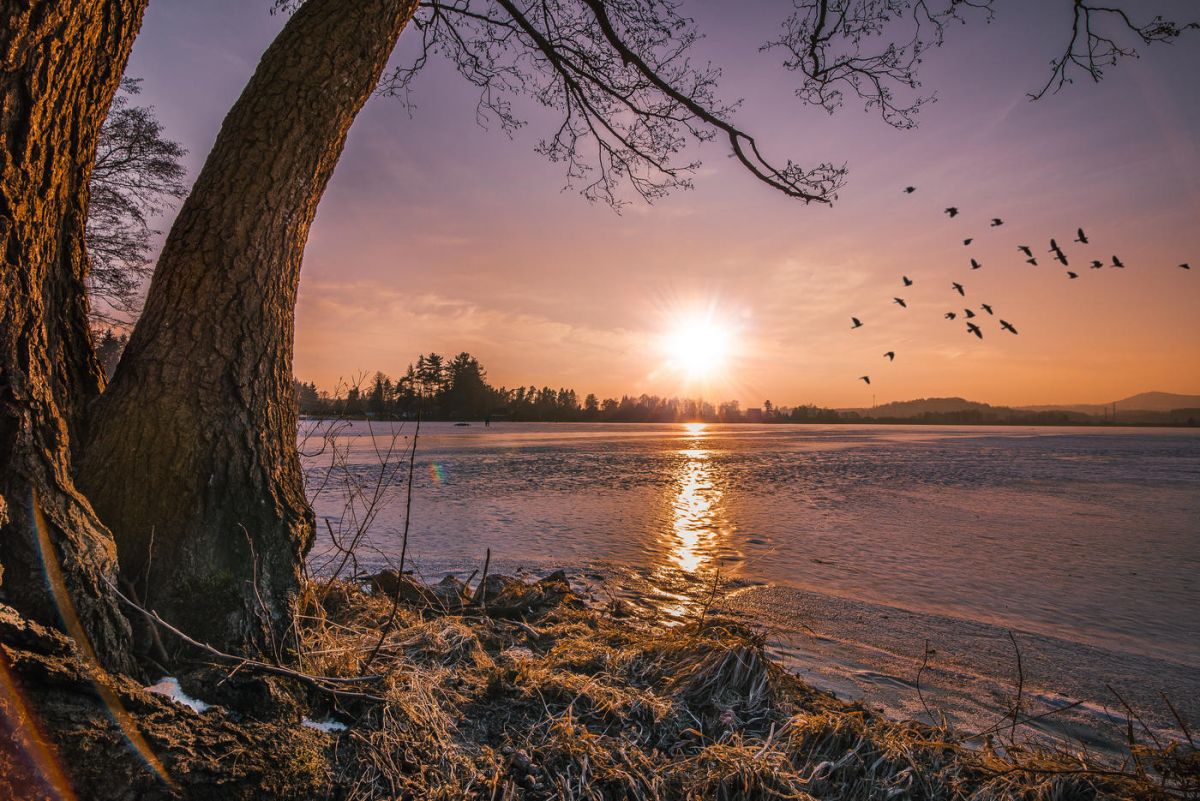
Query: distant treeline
(457, 389)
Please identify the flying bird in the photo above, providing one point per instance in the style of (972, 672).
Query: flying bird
(866, 378)
(950, 315)
(1118, 263)
(1032, 261)
(1054, 248)
(952, 211)
(1185, 266)
(1007, 326)
(857, 322)
(968, 313)
(907, 280)
(974, 329)
(1026, 250)
(997, 222)
(908, 190)
(1061, 257)
(1072, 275)
(1097, 264)
(1082, 238)
(890, 355)
(903, 305)
(968, 241)
(958, 288)
(975, 265)
(986, 308)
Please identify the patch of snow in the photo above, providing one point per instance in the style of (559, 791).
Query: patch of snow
(329, 726)
(169, 686)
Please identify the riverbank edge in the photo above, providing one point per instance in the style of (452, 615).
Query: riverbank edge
(509, 689)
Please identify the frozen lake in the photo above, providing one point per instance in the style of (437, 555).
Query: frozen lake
(1084, 541)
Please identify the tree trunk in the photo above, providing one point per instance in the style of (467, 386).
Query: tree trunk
(59, 68)
(192, 452)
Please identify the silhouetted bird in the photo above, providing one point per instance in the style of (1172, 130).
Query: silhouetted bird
(866, 378)
(953, 212)
(968, 313)
(975, 265)
(1097, 265)
(908, 190)
(1185, 266)
(1061, 257)
(958, 288)
(996, 222)
(891, 355)
(949, 315)
(1082, 238)
(903, 305)
(968, 241)
(1118, 263)
(1007, 326)
(907, 280)
(1054, 248)
(974, 329)
(1032, 261)
(986, 308)
(1026, 250)
(857, 322)
(1071, 274)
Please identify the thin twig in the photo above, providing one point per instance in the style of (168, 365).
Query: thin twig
(316, 682)
(387, 627)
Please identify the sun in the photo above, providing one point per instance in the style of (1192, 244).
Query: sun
(699, 347)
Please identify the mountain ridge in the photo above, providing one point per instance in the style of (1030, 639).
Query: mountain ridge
(1153, 401)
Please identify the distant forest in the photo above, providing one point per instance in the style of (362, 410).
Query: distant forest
(457, 389)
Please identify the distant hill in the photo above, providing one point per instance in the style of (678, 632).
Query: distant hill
(1157, 402)
(1143, 402)
(916, 408)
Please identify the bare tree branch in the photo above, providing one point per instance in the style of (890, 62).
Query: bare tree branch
(632, 103)
(1092, 47)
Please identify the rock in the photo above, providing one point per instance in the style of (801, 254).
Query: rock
(450, 593)
(411, 591)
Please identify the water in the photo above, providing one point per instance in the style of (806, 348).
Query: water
(1087, 542)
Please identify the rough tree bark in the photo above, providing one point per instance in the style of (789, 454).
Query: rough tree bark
(191, 457)
(60, 64)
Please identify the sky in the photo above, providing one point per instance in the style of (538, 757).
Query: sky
(436, 234)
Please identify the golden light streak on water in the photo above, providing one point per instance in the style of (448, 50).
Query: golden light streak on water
(695, 506)
(70, 617)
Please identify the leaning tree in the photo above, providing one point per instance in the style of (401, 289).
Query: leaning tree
(191, 456)
(60, 64)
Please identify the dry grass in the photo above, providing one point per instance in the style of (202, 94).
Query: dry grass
(569, 703)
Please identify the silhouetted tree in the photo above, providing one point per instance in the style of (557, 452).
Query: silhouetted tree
(136, 175)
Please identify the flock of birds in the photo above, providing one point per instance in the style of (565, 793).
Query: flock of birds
(969, 315)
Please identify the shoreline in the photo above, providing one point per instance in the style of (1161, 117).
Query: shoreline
(520, 690)
(871, 653)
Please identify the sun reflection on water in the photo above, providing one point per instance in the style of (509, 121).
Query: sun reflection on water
(698, 535)
(695, 510)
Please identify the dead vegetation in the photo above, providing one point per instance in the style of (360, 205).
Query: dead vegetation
(542, 697)
(521, 691)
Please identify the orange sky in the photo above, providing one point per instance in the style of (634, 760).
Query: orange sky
(436, 235)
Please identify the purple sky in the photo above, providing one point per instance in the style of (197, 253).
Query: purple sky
(438, 235)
